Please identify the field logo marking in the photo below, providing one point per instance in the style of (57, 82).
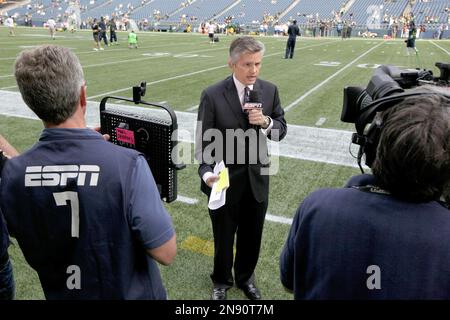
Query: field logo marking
(156, 54)
(368, 66)
(321, 121)
(328, 63)
(197, 245)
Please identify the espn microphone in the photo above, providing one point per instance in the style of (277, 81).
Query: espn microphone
(254, 102)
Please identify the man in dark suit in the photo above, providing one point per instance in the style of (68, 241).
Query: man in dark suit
(293, 32)
(226, 132)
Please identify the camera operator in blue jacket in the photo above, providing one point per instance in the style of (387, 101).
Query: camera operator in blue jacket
(386, 235)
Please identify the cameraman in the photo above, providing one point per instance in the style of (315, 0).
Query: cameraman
(86, 213)
(386, 235)
(7, 286)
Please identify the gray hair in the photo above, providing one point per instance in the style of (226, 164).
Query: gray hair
(50, 79)
(243, 45)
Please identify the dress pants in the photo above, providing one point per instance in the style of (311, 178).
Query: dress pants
(290, 48)
(244, 218)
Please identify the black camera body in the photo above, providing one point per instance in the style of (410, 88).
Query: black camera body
(388, 86)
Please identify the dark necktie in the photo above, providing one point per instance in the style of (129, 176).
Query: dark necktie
(246, 95)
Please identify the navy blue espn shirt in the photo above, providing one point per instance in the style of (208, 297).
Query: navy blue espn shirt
(347, 243)
(4, 240)
(84, 211)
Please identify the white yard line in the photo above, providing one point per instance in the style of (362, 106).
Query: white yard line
(296, 102)
(195, 72)
(187, 200)
(279, 219)
(440, 47)
(159, 81)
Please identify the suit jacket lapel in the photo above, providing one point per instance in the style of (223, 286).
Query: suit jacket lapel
(232, 98)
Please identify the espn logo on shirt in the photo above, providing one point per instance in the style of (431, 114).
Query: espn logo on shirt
(49, 176)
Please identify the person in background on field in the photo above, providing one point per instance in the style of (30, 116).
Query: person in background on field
(132, 40)
(293, 32)
(9, 22)
(95, 35)
(51, 24)
(211, 30)
(102, 31)
(112, 32)
(411, 41)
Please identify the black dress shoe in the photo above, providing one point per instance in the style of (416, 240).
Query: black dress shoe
(251, 291)
(219, 294)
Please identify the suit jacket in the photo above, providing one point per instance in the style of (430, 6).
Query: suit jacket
(220, 108)
(293, 31)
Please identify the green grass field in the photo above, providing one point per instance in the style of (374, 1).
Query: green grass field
(177, 67)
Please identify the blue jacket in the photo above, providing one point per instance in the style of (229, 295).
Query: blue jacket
(84, 211)
(352, 244)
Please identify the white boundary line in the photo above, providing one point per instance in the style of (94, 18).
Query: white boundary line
(187, 200)
(192, 108)
(279, 219)
(296, 102)
(269, 217)
(440, 47)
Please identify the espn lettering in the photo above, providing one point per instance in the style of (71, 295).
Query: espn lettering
(49, 176)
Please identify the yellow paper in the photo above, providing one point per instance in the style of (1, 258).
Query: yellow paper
(224, 181)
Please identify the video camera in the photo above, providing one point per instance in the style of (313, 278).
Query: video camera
(151, 135)
(388, 86)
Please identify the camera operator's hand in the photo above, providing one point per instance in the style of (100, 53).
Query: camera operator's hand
(105, 136)
(8, 150)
